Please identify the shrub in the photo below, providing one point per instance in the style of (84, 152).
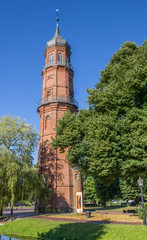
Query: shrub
(139, 211)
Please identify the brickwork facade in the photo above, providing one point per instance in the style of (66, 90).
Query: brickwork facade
(57, 98)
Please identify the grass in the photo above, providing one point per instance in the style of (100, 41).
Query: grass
(73, 231)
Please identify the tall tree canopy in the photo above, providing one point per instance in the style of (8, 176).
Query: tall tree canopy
(18, 138)
(109, 140)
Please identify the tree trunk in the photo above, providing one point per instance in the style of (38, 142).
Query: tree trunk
(1, 208)
(1, 211)
(12, 201)
(11, 210)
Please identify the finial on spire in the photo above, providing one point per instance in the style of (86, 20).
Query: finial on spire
(57, 19)
(57, 39)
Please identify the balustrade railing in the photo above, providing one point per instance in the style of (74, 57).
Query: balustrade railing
(57, 99)
(55, 63)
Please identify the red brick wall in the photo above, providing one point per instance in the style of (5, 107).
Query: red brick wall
(57, 81)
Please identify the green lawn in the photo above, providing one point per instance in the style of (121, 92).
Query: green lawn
(73, 231)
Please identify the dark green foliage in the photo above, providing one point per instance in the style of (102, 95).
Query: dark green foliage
(109, 140)
(130, 190)
(107, 193)
(97, 192)
(123, 82)
(89, 190)
(139, 211)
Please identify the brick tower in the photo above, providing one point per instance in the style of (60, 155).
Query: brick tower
(57, 98)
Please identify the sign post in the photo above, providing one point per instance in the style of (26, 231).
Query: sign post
(79, 202)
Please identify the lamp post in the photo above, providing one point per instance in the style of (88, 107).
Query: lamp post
(140, 184)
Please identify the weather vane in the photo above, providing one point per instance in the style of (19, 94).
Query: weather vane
(57, 19)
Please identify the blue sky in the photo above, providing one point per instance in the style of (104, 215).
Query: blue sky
(95, 30)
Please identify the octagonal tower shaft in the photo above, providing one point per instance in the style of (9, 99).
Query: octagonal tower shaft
(57, 98)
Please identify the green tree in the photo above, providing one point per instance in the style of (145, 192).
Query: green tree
(131, 191)
(18, 141)
(97, 192)
(3, 180)
(34, 186)
(109, 140)
(107, 192)
(89, 191)
(18, 137)
(13, 176)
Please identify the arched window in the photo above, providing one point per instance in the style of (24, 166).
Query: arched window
(76, 176)
(51, 58)
(60, 58)
(47, 118)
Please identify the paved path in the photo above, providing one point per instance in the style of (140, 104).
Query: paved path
(19, 211)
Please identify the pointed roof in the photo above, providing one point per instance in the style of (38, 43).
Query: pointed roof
(57, 39)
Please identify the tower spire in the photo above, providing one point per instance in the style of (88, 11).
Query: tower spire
(57, 39)
(57, 33)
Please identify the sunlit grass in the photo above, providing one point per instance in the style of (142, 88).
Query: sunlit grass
(74, 231)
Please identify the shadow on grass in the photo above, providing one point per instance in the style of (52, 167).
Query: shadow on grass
(75, 231)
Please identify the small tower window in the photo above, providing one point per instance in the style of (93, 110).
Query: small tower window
(47, 142)
(48, 93)
(48, 117)
(46, 121)
(51, 58)
(76, 176)
(60, 57)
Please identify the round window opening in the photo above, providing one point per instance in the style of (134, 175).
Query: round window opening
(47, 142)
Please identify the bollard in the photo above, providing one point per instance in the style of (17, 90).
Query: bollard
(88, 214)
